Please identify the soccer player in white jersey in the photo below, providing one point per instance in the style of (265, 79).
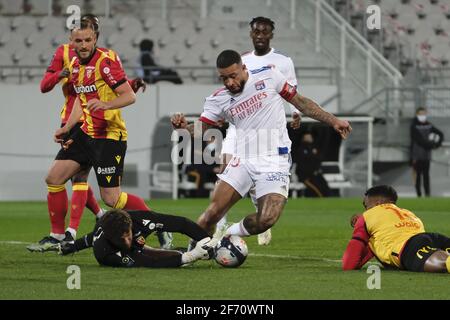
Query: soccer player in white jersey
(263, 55)
(253, 103)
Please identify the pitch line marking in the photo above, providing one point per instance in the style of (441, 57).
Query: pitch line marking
(292, 257)
(14, 242)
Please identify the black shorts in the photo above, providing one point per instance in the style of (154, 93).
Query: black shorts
(68, 155)
(420, 247)
(105, 155)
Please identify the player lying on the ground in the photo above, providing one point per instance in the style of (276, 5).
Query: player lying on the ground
(395, 236)
(118, 240)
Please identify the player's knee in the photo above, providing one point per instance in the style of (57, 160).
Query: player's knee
(80, 177)
(52, 180)
(110, 199)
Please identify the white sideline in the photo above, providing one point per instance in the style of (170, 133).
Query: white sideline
(276, 256)
(14, 242)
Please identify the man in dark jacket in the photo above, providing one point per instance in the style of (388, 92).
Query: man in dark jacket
(424, 138)
(309, 170)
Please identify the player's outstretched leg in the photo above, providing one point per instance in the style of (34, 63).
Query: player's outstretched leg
(225, 196)
(265, 237)
(270, 207)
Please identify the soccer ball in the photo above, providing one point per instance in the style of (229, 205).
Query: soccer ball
(231, 251)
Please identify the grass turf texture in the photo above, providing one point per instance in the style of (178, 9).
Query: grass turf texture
(302, 262)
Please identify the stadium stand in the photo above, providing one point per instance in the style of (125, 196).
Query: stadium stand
(414, 39)
(414, 31)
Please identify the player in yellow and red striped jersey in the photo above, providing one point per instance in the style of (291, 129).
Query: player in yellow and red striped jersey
(82, 195)
(106, 155)
(395, 236)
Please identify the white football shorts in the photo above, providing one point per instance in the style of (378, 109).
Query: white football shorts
(267, 174)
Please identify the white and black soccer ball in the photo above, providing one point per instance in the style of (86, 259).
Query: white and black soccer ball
(231, 251)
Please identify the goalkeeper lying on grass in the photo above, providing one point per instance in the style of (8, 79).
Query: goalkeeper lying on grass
(118, 240)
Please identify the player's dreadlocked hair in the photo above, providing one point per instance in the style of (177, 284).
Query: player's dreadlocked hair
(383, 191)
(227, 58)
(115, 223)
(263, 20)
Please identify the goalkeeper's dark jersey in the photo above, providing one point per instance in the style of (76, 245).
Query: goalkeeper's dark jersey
(144, 223)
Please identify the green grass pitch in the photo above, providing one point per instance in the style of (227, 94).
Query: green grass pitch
(302, 262)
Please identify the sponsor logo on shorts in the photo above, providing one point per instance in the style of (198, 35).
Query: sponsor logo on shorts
(235, 162)
(108, 178)
(107, 170)
(118, 158)
(277, 176)
(425, 249)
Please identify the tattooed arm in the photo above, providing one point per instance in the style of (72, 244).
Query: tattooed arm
(314, 111)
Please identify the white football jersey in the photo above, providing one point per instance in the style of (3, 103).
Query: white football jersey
(253, 62)
(257, 113)
(273, 58)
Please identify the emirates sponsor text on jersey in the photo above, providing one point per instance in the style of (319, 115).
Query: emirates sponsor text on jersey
(248, 107)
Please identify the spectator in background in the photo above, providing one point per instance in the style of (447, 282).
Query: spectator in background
(151, 72)
(308, 168)
(424, 138)
(203, 173)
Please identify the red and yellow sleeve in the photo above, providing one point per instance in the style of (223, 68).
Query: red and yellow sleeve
(112, 73)
(358, 252)
(51, 76)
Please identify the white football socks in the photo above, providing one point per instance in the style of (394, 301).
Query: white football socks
(73, 232)
(57, 236)
(238, 229)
